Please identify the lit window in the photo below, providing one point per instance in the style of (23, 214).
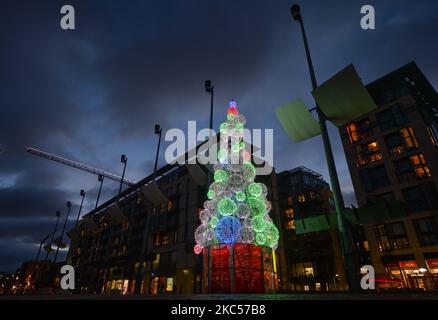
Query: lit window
(312, 195)
(157, 239)
(302, 198)
(289, 213)
(169, 206)
(420, 167)
(290, 224)
(164, 240)
(367, 153)
(409, 138)
(353, 133)
(374, 153)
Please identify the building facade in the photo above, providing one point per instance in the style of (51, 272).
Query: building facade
(133, 244)
(392, 154)
(314, 259)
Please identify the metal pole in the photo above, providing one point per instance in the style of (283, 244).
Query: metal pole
(53, 234)
(63, 229)
(99, 178)
(82, 193)
(158, 149)
(345, 237)
(41, 244)
(211, 108)
(124, 159)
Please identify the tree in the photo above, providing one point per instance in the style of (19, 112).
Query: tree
(237, 210)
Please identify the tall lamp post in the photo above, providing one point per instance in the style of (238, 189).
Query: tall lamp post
(82, 194)
(58, 214)
(63, 229)
(124, 160)
(100, 179)
(210, 89)
(158, 131)
(345, 237)
(41, 245)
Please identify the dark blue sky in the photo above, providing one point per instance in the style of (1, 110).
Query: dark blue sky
(94, 93)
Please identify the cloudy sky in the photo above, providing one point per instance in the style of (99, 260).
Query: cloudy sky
(94, 93)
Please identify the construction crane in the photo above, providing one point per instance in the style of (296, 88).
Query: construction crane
(79, 166)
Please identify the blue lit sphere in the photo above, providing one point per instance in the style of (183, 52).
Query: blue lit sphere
(227, 229)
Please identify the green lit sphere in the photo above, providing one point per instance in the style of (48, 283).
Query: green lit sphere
(272, 235)
(222, 155)
(226, 207)
(257, 206)
(238, 125)
(214, 222)
(242, 144)
(230, 116)
(249, 171)
(259, 224)
(223, 128)
(221, 176)
(260, 238)
(240, 196)
(211, 194)
(255, 189)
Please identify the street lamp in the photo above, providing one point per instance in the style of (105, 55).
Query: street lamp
(210, 89)
(58, 214)
(345, 237)
(100, 179)
(82, 194)
(158, 130)
(124, 160)
(63, 229)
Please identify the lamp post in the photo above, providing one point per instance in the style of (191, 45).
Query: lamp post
(158, 131)
(41, 245)
(100, 179)
(345, 237)
(58, 214)
(124, 160)
(63, 229)
(82, 194)
(210, 89)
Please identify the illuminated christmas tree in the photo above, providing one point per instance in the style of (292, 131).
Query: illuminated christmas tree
(237, 211)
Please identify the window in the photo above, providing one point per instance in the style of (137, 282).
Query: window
(353, 132)
(312, 195)
(359, 130)
(409, 138)
(367, 153)
(289, 213)
(433, 135)
(422, 197)
(391, 118)
(295, 179)
(391, 236)
(380, 198)
(290, 224)
(427, 231)
(301, 198)
(289, 201)
(402, 141)
(169, 206)
(374, 178)
(420, 167)
(404, 169)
